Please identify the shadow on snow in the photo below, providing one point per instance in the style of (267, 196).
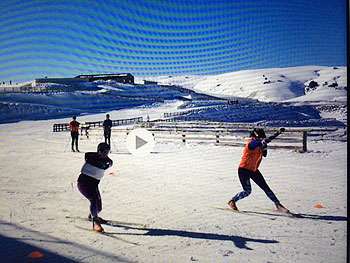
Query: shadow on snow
(240, 242)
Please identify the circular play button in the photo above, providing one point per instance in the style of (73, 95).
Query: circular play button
(140, 141)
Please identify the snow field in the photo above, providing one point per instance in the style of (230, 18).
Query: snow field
(172, 192)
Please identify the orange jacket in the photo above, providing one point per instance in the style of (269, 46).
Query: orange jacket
(251, 159)
(74, 126)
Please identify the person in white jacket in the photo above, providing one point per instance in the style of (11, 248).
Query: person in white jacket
(96, 163)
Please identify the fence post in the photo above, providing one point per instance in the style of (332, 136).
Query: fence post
(304, 141)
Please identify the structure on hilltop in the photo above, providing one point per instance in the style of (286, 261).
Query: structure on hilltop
(121, 77)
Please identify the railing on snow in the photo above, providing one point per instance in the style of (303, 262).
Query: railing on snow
(234, 134)
(58, 127)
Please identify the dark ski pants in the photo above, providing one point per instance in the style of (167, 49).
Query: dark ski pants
(107, 135)
(92, 193)
(75, 136)
(245, 176)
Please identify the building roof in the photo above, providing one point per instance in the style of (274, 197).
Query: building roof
(103, 75)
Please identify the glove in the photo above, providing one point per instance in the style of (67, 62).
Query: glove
(276, 134)
(280, 131)
(265, 152)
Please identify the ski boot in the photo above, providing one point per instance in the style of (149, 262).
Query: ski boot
(96, 225)
(232, 204)
(281, 208)
(100, 219)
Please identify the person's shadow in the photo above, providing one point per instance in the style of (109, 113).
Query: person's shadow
(321, 217)
(300, 215)
(240, 242)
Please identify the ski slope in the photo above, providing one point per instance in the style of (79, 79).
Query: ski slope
(170, 195)
(270, 85)
(282, 95)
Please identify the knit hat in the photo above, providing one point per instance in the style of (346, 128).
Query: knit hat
(103, 147)
(258, 133)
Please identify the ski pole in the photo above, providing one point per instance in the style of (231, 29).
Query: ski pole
(114, 145)
(67, 144)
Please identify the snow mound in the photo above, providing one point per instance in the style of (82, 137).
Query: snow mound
(271, 85)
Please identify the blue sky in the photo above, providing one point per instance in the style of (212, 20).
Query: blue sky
(58, 38)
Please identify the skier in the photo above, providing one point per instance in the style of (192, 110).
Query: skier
(255, 149)
(107, 126)
(74, 132)
(96, 163)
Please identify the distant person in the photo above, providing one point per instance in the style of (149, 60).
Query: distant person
(84, 127)
(107, 130)
(255, 149)
(74, 132)
(96, 163)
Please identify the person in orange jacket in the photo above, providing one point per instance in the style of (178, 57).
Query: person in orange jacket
(254, 151)
(74, 132)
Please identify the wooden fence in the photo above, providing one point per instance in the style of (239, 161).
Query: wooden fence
(219, 133)
(234, 134)
(58, 127)
(186, 112)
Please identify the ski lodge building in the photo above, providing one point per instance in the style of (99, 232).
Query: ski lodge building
(121, 77)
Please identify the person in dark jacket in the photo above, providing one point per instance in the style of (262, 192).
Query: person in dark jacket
(96, 164)
(107, 130)
(74, 132)
(254, 151)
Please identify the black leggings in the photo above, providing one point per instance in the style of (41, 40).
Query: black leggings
(75, 136)
(107, 134)
(245, 176)
(92, 193)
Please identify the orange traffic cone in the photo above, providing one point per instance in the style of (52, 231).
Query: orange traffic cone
(35, 254)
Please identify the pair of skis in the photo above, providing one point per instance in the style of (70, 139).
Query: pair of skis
(269, 214)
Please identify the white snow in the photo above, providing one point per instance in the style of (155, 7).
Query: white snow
(172, 191)
(270, 85)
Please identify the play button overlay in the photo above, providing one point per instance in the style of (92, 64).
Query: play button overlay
(140, 141)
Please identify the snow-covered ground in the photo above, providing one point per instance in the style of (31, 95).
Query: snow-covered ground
(170, 196)
(271, 85)
(296, 96)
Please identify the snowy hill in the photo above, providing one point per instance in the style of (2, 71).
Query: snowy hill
(290, 90)
(271, 85)
(101, 96)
